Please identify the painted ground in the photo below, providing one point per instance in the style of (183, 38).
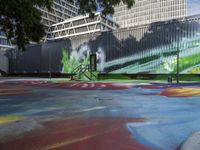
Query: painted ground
(44, 115)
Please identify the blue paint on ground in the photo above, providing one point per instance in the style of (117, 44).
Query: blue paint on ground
(169, 121)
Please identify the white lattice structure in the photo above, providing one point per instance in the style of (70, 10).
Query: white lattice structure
(80, 25)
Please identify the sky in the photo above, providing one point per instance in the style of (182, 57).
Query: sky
(193, 7)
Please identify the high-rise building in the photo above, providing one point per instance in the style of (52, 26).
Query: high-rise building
(4, 42)
(148, 11)
(60, 10)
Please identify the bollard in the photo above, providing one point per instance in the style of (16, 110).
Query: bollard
(169, 79)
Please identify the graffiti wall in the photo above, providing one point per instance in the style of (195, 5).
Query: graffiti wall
(149, 49)
(144, 49)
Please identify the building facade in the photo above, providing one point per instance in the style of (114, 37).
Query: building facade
(148, 11)
(4, 42)
(60, 10)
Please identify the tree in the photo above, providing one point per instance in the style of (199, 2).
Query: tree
(20, 20)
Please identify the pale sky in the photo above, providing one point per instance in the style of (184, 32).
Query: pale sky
(193, 7)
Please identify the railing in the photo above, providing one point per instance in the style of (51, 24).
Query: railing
(82, 70)
(77, 69)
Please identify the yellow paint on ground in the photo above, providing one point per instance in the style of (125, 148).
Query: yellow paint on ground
(64, 143)
(72, 141)
(8, 119)
(188, 92)
(12, 89)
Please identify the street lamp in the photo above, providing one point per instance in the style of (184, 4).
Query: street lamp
(177, 55)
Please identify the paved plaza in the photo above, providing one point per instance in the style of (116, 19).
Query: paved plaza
(39, 114)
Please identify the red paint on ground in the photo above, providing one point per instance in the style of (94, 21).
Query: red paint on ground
(75, 85)
(80, 134)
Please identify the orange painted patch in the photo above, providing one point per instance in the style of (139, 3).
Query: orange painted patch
(80, 134)
(13, 90)
(181, 92)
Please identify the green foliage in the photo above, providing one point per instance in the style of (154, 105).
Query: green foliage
(21, 20)
(187, 62)
(69, 63)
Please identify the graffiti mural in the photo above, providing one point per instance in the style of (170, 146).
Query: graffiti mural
(43, 114)
(149, 49)
(81, 56)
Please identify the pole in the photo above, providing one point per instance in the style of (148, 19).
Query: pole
(15, 60)
(49, 63)
(177, 73)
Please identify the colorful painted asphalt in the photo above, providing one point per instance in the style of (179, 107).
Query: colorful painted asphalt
(38, 114)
